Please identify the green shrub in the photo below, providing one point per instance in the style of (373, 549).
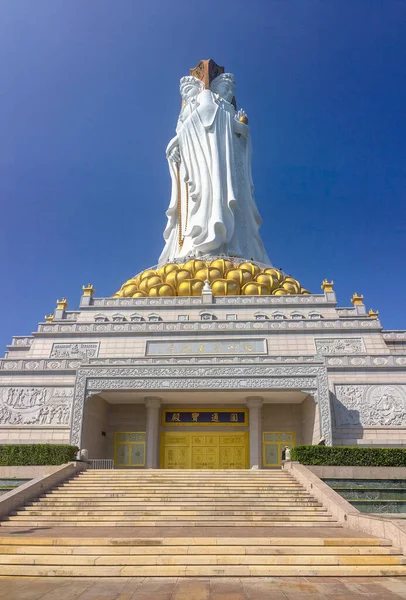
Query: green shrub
(349, 456)
(36, 454)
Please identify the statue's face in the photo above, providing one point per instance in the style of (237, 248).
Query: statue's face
(225, 89)
(190, 91)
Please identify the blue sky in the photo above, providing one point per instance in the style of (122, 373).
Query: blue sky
(89, 99)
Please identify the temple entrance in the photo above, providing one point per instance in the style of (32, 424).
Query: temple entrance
(204, 450)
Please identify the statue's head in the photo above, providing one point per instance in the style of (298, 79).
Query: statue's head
(224, 86)
(189, 87)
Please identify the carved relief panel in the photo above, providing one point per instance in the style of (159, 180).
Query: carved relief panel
(340, 346)
(35, 406)
(80, 351)
(369, 405)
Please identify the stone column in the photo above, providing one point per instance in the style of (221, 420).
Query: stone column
(254, 404)
(153, 405)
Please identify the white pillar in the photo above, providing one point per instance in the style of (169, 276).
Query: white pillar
(254, 404)
(153, 405)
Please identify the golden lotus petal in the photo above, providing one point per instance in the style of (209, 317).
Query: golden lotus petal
(249, 266)
(253, 288)
(223, 265)
(168, 268)
(292, 280)
(174, 278)
(225, 287)
(194, 265)
(304, 291)
(290, 287)
(275, 273)
(190, 287)
(128, 290)
(280, 292)
(146, 273)
(241, 276)
(147, 283)
(268, 279)
(209, 273)
(162, 289)
(139, 295)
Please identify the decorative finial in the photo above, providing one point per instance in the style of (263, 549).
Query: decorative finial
(357, 300)
(61, 304)
(207, 286)
(327, 286)
(49, 318)
(88, 290)
(373, 314)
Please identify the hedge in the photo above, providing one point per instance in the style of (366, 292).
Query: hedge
(13, 455)
(349, 456)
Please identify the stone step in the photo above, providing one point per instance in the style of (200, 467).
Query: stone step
(284, 516)
(161, 542)
(175, 494)
(192, 550)
(11, 522)
(200, 559)
(219, 487)
(172, 507)
(166, 512)
(123, 503)
(221, 570)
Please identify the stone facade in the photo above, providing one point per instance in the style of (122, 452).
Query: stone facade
(315, 369)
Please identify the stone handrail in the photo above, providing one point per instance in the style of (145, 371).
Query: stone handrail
(32, 489)
(388, 529)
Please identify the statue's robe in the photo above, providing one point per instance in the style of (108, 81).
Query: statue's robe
(222, 217)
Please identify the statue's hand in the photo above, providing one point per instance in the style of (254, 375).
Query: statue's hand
(174, 154)
(242, 116)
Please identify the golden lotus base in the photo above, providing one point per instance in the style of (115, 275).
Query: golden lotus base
(226, 277)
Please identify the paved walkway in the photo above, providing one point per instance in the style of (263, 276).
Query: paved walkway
(287, 588)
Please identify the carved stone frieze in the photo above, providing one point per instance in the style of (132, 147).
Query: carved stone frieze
(369, 405)
(80, 351)
(309, 378)
(340, 346)
(214, 326)
(237, 300)
(394, 335)
(35, 406)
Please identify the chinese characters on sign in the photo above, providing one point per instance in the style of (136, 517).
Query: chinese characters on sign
(205, 417)
(185, 348)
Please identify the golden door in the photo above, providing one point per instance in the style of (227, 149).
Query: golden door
(273, 443)
(204, 451)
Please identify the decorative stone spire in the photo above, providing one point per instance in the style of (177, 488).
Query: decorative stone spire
(327, 286)
(357, 300)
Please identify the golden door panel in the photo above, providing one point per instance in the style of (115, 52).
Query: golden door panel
(177, 458)
(129, 449)
(204, 451)
(273, 443)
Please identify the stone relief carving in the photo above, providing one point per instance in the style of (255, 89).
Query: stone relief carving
(394, 335)
(176, 301)
(213, 326)
(35, 406)
(340, 346)
(309, 378)
(369, 405)
(80, 351)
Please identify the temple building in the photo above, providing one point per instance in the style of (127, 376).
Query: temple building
(212, 358)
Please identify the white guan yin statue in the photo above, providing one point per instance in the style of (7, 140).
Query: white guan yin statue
(212, 209)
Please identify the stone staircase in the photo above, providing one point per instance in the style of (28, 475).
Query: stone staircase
(222, 521)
